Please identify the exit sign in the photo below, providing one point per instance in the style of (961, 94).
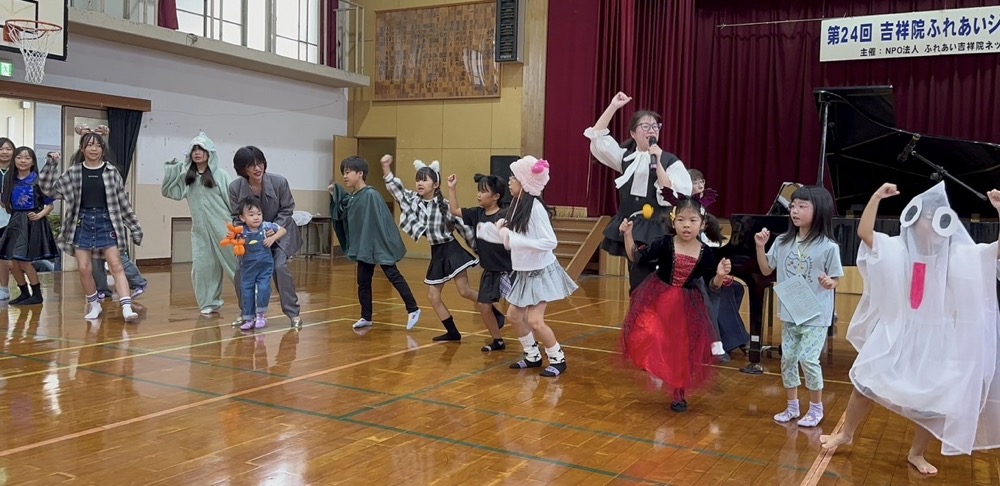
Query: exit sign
(6, 69)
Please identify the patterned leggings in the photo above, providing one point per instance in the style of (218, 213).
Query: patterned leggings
(802, 345)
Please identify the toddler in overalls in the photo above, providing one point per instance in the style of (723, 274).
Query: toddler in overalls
(256, 264)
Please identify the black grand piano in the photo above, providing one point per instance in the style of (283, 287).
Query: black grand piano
(862, 149)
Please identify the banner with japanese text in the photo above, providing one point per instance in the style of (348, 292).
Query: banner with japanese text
(931, 33)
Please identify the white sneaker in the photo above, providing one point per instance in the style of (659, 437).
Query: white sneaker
(412, 319)
(95, 311)
(362, 323)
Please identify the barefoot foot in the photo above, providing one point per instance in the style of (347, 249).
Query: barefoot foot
(832, 441)
(921, 464)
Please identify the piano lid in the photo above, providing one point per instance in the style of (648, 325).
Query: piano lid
(863, 145)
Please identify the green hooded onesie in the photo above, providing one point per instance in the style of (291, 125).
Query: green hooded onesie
(370, 231)
(209, 214)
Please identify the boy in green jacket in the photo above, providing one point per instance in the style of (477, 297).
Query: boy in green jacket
(371, 238)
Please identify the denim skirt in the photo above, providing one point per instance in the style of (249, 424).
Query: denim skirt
(94, 230)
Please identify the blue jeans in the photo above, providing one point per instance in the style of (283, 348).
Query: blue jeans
(135, 279)
(256, 269)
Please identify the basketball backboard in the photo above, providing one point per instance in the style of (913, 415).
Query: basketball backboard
(52, 11)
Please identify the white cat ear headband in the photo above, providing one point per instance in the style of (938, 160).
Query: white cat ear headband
(435, 166)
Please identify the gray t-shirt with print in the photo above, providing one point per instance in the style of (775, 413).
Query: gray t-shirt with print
(811, 261)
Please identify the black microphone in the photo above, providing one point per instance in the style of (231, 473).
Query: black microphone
(905, 154)
(652, 158)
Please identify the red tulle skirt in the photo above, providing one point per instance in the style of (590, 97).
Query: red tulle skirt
(668, 334)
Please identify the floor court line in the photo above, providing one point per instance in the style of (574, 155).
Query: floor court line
(144, 336)
(346, 419)
(115, 425)
(349, 416)
(822, 461)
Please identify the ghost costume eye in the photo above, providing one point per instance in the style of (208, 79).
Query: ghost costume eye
(946, 221)
(912, 212)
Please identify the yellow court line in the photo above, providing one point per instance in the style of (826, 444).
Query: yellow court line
(602, 301)
(823, 459)
(168, 350)
(149, 336)
(726, 368)
(115, 425)
(180, 348)
(463, 311)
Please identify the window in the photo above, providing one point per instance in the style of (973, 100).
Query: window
(288, 28)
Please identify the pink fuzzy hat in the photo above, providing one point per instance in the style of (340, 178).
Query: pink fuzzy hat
(532, 173)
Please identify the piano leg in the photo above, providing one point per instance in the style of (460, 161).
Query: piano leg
(756, 298)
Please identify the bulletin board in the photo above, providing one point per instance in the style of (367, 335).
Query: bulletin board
(442, 52)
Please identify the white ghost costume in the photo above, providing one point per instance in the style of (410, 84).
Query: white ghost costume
(926, 328)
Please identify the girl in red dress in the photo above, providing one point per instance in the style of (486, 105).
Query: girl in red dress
(668, 330)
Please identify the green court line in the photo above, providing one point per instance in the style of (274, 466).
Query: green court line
(345, 419)
(655, 443)
(411, 396)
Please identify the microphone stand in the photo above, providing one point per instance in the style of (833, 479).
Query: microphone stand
(941, 171)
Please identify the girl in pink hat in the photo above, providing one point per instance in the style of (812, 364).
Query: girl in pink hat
(539, 279)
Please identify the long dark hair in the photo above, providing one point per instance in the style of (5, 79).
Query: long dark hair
(8, 184)
(633, 125)
(429, 174)
(207, 178)
(85, 140)
(519, 212)
(822, 221)
(713, 229)
(492, 184)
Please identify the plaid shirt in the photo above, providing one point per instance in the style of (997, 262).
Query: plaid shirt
(422, 217)
(68, 187)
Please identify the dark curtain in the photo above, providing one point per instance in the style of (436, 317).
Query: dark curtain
(166, 16)
(645, 52)
(755, 119)
(124, 125)
(569, 98)
(328, 37)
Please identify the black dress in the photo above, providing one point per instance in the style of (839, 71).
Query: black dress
(26, 240)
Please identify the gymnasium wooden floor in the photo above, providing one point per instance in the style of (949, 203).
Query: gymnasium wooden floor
(184, 400)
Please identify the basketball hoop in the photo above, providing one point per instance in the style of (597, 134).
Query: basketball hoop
(33, 39)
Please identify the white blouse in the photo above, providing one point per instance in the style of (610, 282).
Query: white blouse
(608, 152)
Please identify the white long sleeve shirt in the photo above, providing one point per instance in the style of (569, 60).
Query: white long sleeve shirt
(532, 250)
(608, 152)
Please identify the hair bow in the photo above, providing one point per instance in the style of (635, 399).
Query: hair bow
(675, 199)
(540, 166)
(435, 166)
(102, 130)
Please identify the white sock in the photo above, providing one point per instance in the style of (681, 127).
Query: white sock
(555, 354)
(531, 352)
(94, 312)
(793, 406)
(128, 313)
(817, 407)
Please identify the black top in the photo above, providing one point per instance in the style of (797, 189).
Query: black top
(661, 251)
(92, 193)
(493, 257)
(644, 230)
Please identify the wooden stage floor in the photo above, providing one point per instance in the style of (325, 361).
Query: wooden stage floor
(184, 400)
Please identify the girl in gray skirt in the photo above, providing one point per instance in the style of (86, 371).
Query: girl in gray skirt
(538, 277)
